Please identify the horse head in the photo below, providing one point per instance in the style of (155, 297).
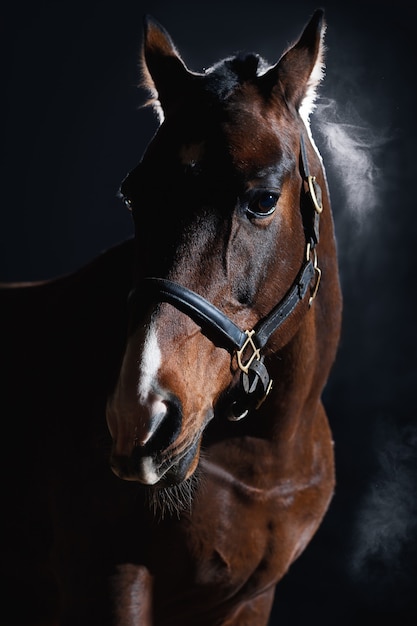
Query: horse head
(226, 203)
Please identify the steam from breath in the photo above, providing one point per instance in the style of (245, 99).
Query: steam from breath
(386, 522)
(351, 148)
(383, 548)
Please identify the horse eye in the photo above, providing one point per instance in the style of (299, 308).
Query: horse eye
(127, 203)
(263, 204)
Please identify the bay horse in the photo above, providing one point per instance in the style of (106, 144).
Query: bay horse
(188, 361)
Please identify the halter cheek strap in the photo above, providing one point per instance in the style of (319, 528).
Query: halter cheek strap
(255, 382)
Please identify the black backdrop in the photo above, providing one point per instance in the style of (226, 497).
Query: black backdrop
(72, 129)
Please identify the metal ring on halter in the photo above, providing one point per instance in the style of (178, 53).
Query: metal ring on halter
(315, 192)
(318, 278)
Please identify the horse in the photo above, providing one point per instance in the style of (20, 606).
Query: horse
(167, 452)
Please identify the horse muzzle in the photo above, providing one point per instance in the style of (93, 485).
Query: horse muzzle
(156, 469)
(154, 449)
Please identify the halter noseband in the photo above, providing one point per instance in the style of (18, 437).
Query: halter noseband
(255, 382)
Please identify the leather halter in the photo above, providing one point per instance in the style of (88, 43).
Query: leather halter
(255, 382)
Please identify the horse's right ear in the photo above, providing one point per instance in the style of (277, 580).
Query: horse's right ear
(163, 71)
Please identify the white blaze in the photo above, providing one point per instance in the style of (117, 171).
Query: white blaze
(152, 402)
(149, 366)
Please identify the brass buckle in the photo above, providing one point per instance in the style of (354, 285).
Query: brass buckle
(255, 355)
(310, 181)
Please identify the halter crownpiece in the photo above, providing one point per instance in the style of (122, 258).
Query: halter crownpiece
(255, 382)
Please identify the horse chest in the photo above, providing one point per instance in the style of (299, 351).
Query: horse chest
(243, 539)
(233, 548)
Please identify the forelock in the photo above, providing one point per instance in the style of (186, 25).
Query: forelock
(223, 78)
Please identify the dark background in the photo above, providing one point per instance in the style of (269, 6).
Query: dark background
(72, 129)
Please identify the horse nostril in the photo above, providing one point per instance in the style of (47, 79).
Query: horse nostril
(155, 421)
(157, 409)
(166, 426)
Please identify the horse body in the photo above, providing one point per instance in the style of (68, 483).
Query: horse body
(225, 505)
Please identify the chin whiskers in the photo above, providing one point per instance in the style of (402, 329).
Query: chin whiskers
(174, 500)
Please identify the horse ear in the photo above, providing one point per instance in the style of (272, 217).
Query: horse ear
(301, 68)
(163, 71)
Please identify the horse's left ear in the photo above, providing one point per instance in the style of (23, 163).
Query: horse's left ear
(164, 72)
(300, 69)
